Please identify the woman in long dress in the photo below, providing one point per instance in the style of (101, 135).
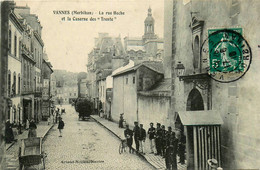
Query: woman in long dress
(32, 129)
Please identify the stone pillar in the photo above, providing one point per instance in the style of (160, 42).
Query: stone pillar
(173, 64)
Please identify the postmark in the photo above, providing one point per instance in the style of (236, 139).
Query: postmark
(227, 54)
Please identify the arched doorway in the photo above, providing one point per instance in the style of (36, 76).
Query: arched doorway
(194, 101)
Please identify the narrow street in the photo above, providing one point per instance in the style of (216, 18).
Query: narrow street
(86, 145)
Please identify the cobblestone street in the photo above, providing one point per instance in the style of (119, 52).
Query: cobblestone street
(86, 145)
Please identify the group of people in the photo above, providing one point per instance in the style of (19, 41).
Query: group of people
(162, 142)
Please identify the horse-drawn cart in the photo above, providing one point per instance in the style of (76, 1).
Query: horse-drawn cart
(31, 155)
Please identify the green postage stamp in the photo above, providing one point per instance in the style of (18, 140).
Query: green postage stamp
(229, 55)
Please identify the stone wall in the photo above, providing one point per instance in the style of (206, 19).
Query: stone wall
(154, 109)
(124, 98)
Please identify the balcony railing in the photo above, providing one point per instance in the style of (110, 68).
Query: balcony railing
(26, 52)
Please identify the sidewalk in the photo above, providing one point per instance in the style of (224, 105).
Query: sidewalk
(157, 161)
(42, 130)
(12, 162)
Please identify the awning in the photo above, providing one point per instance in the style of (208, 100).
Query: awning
(205, 117)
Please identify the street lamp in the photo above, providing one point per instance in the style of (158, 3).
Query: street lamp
(180, 69)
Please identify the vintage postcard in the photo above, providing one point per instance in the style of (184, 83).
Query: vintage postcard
(130, 84)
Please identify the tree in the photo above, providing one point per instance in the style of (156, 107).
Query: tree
(82, 75)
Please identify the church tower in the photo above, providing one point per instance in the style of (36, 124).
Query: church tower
(149, 26)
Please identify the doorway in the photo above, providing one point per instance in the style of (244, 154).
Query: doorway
(194, 103)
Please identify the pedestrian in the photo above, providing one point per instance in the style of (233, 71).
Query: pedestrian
(56, 116)
(142, 138)
(213, 164)
(60, 126)
(151, 134)
(32, 129)
(49, 120)
(9, 135)
(129, 138)
(164, 133)
(171, 151)
(158, 139)
(27, 124)
(121, 120)
(181, 148)
(136, 131)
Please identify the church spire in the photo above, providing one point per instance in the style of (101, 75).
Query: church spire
(149, 25)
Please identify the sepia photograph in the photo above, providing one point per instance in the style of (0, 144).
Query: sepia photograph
(129, 85)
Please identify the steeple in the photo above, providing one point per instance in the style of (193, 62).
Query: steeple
(149, 25)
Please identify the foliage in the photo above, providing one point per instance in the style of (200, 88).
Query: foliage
(81, 75)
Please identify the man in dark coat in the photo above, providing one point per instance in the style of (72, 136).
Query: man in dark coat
(60, 126)
(151, 133)
(181, 147)
(32, 129)
(142, 138)
(136, 131)
(9, 135)
(129, 138)
(158, 139)
(164, 135)
(171, 151)
(121, 120)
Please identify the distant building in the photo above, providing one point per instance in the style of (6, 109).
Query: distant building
(82, 90)
(66, 87)
(46, 90)
(108, 53)
(147, 47)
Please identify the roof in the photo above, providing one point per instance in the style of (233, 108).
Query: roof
(161, 88)
(153, 65)
(104, 73)
(205, 117)
(135, 48)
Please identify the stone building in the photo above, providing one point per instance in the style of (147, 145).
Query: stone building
(46, 91)
(126, 87)
(102, 88)
(108, 53)
(37, 51)
(28, 73)
(218, 119)
(14, 67)
(5, 101)
(82, 88)
(147, 47)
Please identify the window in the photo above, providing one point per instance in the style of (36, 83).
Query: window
(19, 84)
(134, 80)
(14, 84)
(20, 48)
(10, 41)
(196, 53)
(74, 94)
(126, 80)
(9, 83)
(15, 46)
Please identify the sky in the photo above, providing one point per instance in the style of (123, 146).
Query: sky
(67, 43)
